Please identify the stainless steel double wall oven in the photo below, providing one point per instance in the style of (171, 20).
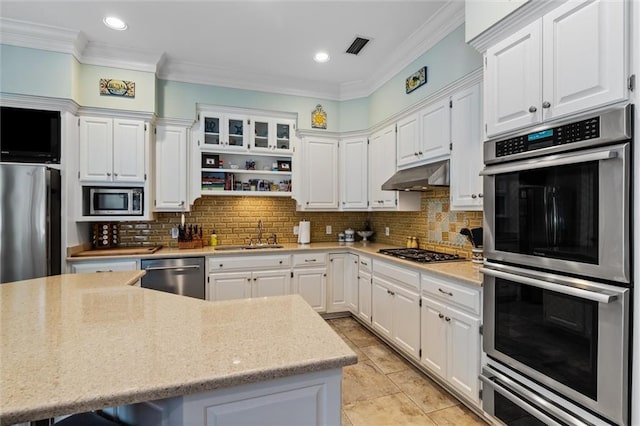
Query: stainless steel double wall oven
(557, 297)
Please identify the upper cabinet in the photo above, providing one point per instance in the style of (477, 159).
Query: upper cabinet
(225, 131)
(353, 173)
(112, 150)
(570, 60)
(320, 173)
(171, 169)
(271, 135)
(466, 149)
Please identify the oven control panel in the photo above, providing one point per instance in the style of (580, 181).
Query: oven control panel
(561, 135)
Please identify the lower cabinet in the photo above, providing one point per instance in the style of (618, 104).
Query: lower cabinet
(351, 282)
(450, 335)
(342, 291)
(364, 289)
(310, 279)
(104, 266)
(241, 285)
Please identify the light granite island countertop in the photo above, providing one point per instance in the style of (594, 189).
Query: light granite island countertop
(74, 343)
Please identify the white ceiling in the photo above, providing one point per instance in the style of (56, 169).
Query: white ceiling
(261, 45)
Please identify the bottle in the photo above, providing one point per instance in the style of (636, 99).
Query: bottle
(408, 242)
(214, 239)
(414, 242)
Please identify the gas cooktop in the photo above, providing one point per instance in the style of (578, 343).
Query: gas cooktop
(420, 255)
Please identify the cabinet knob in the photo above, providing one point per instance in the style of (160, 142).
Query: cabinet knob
(249, 279)
(281, 262)
(474, 196)
(415, 153)
(480, 195)
(344, 202)
(221, 265)
(546, 104)
(447, 319)
(255, 279)
(419, 152)
(115, 174)
(532, 109)
(108, 174)
(181, 203)
(440, 316)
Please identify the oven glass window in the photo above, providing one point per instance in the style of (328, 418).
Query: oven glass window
(553, 333)
(511, 414)
(111, 201)
(550, 212)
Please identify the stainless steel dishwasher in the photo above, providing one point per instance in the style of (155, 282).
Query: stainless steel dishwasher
(184, 276)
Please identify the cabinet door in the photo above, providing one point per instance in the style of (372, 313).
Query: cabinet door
(321, 169)
(96, 149)
(283, 133)
(235, 133)
(353, 173)
(467, 150)
(271, 283)
(406, 320)
(382, 152)
(212, 126)
(337, 283)
(433, 337)
(311, 284)
(106, 266)
(583, 56)
(171, 168)
(364, 296)
(351, 282)
(261, 134)
(229, 286)
(407, 142)
(382, 306)
(513, 81)
(128, 150)
(463, 352)
(435, 131)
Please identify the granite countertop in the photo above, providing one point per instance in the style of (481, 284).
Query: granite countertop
(464, 270)
(73, 343)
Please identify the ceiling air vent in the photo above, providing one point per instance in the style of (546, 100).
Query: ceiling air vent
(357, 45)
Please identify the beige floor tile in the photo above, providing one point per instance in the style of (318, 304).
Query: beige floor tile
(396, 410)
(359, 336)
(343, 322)
(361, 355)
(384, 358)
(345, 420)
(364, 381)
(456, 416)
(424, 392)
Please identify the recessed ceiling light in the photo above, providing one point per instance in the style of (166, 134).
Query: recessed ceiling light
(321, 57)
(115, 23)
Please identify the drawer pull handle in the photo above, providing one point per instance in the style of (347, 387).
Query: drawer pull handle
(448, 293)
(109, 270)
(364, 263)
(440, 316)
(310, 260)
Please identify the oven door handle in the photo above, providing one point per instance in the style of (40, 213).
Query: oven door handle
(593, 295)
(521, 397)
(556, 160)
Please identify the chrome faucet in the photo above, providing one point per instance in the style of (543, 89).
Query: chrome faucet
(260, 227)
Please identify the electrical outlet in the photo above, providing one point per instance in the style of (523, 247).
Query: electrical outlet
(296, 229)
(329, 230)
(174, 232)
(386, 231)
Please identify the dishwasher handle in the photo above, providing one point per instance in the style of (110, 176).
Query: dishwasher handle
(172, 268)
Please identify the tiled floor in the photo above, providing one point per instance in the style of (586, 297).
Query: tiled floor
(384, 389)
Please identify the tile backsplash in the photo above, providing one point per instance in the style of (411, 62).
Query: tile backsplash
(235, 220)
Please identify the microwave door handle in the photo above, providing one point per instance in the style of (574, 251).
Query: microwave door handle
(559, 160)
(593, 295)
(520, 396)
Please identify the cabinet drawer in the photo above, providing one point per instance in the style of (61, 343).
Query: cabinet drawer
(364, 263)
(248, 262)
(397, 273)
(309, 259)
(107, 266)
(458, 294)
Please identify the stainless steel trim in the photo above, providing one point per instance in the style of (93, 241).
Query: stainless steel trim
(593, 295)
(521, 396)
(552, 161)
(173, 268)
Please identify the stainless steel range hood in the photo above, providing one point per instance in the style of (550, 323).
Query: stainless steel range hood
(419, 178)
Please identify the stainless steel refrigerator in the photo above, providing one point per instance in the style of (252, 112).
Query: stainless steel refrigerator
(29, 222)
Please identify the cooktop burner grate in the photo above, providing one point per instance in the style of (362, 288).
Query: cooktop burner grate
(420, 255)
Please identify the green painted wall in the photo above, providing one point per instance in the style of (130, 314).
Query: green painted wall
(447, 61)
(88, 81)
(178, 100)
(354, 114)
(36, 72)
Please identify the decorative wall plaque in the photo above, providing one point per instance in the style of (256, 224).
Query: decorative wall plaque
(319, 118)
(111, 87)
(416, 80)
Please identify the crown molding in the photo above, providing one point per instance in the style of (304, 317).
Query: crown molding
(314, 133)
(39, 102)
(516, 20)
(119, 57)
(256, 112)
(180, 122)
(116, 113)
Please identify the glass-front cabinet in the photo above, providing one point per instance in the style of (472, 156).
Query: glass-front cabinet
(225, 131)
(271, 135)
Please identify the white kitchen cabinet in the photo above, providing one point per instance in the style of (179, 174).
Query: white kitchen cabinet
(171, 169)
(104, 266)
(320, 173)
(408, 142)
(270, 283)
(382, 152)
(311, 284)
(271, 135)
(112, 150)
(450, 333)
(225, 131)
(467, 150)
(364, 296)
(229, 286)
(572, 59)
(337, 291)
(395, 306)
(353, 153)
(435, 131)
(351, 282)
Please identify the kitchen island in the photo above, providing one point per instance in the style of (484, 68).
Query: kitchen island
(81, 342)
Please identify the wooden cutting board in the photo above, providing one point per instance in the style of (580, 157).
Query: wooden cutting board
(118, 251)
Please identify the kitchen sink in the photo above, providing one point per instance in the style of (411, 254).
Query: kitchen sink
(249, 247)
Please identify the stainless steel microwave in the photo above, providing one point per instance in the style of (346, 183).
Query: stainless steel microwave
(111, 201)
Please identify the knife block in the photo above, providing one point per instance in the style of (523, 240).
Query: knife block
(196, 242)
